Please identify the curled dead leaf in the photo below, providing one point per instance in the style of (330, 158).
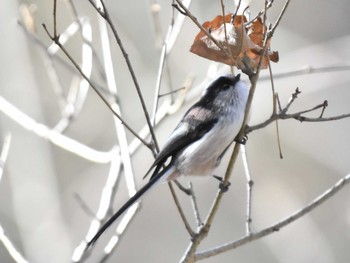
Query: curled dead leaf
(243, 44)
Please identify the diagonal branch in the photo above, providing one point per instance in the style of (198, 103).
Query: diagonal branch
(105, 14)
(55, 38)
(276, 227)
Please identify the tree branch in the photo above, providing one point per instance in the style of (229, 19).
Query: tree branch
(105, 15)
(276, 227)
(55, 38)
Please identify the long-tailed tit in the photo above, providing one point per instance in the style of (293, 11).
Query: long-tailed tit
(199, 141)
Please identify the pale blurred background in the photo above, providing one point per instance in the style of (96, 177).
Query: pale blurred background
(37, 206)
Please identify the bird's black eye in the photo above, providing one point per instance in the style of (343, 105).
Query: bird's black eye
(226, 87)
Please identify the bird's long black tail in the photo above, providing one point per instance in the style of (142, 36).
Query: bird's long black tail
(128, 204)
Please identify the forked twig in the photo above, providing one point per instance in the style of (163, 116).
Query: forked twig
(105, 14)
(279, 225)
(55, 38)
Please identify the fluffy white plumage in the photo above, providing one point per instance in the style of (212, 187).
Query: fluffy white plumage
(202, 137)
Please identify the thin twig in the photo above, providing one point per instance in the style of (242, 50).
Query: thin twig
(319, 106)
(237, 8)
(171, 36)
(225, 30)
(278, 103)
(110, 188)
(187, 12)
(98, 92)
(103, 211)
(179, 208)
(279, 225)
(291, 100)
(77, 17)
(260, 13)
(68, 66)
(155, 10)
(195, 206)
(250, 184)
(171, 92)
(274, 110)
(54, 18)
(106, 16)
(182, 188)
(190, 192)
(296, 116)
(160, 75)
(84, 206)
(325, 105)
(323, 119)
(272, 31)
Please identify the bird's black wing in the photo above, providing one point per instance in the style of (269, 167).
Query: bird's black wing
(195, 124)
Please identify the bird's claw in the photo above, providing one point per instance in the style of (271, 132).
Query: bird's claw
(222, 186)
(242, 140)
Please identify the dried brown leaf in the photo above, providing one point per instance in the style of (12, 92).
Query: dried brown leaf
(243, 44)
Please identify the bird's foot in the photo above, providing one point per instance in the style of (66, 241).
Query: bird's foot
(222, 186)
(242, 141)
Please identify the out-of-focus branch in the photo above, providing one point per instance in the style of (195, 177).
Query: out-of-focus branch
(4, 153)
(55, 38)
(11, 249)
(5, 240)
(249, 183)
(185, 11)
(111, 185)
(103, 11)
(173, 31)
(53, 136)
(104, 209)
(276, 227)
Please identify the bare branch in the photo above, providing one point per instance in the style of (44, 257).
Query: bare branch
(105, 15)
(279, 225)
(4, 153)
(11, 249)
(179, 208)
(5, 240)
(291, 100)
(185, 11)
(250, 184)
(260, 13)
(98, 92)
(195, 206)
(53, 136)
(282, 115)
(272, 31)
(274, 108)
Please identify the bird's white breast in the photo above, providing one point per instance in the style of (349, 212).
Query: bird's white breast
(200, 158)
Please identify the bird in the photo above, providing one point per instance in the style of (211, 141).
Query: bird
(198, 143)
